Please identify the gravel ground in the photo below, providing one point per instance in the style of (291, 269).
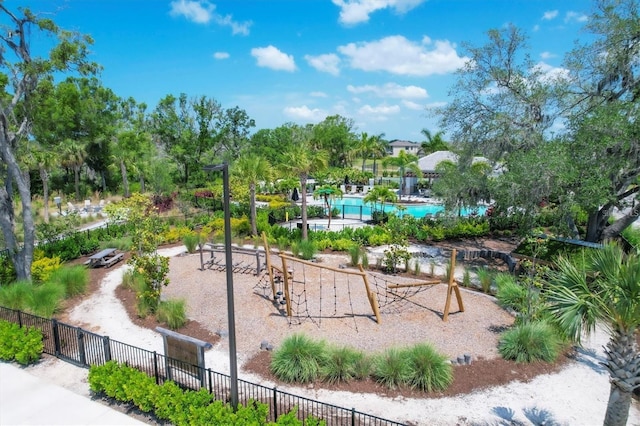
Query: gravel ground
(333, 306)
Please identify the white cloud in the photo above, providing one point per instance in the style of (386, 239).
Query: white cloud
(536, 28)
(380, 112)
(397, 55)
(547, 55)
(550, 73)
(221, 55)
(202, 12)
(549, 15)
(305, 113)
(412, 105)
(195, 11)
(272, 57)
(391, 90)
(575, 16)
(236, 27)
(356, 11)
(325, 63)
(319, 95)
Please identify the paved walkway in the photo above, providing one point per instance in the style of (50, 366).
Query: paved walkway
(29, 400)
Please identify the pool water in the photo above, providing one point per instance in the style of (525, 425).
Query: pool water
(354, 207)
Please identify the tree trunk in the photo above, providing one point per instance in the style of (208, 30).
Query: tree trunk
(21, 257)
(326, 201)
(142, 188)
(623, 363)
(44, 176)
(125, 180)
(596, 223)
(621, 224)
(76, 181)
(303, 195)
(252, 208)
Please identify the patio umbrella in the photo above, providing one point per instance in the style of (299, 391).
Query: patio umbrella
(295, 196)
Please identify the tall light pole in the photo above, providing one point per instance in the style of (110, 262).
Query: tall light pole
(233, 357)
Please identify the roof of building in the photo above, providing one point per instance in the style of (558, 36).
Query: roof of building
(400, 143)
(429, 162)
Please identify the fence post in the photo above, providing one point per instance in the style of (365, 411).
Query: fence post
(275, 404)
(20, 318)
(155, 367)
(210, 381)
(81, 352)
(353, 417)
(56, 336)
(107, 348)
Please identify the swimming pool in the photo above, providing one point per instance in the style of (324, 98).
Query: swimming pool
(354, 207)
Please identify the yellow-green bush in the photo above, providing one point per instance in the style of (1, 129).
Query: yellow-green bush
(42, 268)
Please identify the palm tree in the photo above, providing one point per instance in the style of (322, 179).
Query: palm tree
(302, 159)
(379, 151)
(603, 288)
(328, 193)
(74, 154)
(367, 146)
(379, 194)
(251, 169)
(433, 143)
(44, 160)
(404, 162)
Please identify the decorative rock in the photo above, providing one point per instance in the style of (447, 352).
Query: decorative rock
(461, 360)
(467, 359)
(266, 346)
(222, 333)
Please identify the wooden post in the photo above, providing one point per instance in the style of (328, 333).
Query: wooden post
(373, 300)
(285, 278)
(451, 287)
(267, 258)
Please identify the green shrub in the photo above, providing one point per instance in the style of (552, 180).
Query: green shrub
(428, 370)
(298, 359)
(45, 299)
(341, 364)
(510, 293)
(529, 342)
(132, 280)
(43, 268)
(123, 243)
(355, 252)
(74, 279)
(392, 368)
(304, 249)
(191, 240)
(21, 344)
(16, 295)
(485, 276)
(172, 312)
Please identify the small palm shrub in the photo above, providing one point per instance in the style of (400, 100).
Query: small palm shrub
(172, 312)
(428, 370)
(298, 359)
(416, 267)
(45, 299)
(15, 295)
(529, 342)
(365, 259)
(466, 279)
(392, 368)
(190, 241)
(21, 344)
(74, 279)
(341, 364)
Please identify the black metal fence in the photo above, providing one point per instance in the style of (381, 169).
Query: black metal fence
(84, 348)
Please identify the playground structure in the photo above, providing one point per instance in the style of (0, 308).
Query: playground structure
(291, 275)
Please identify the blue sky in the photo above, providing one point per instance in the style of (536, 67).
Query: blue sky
(382, 63)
